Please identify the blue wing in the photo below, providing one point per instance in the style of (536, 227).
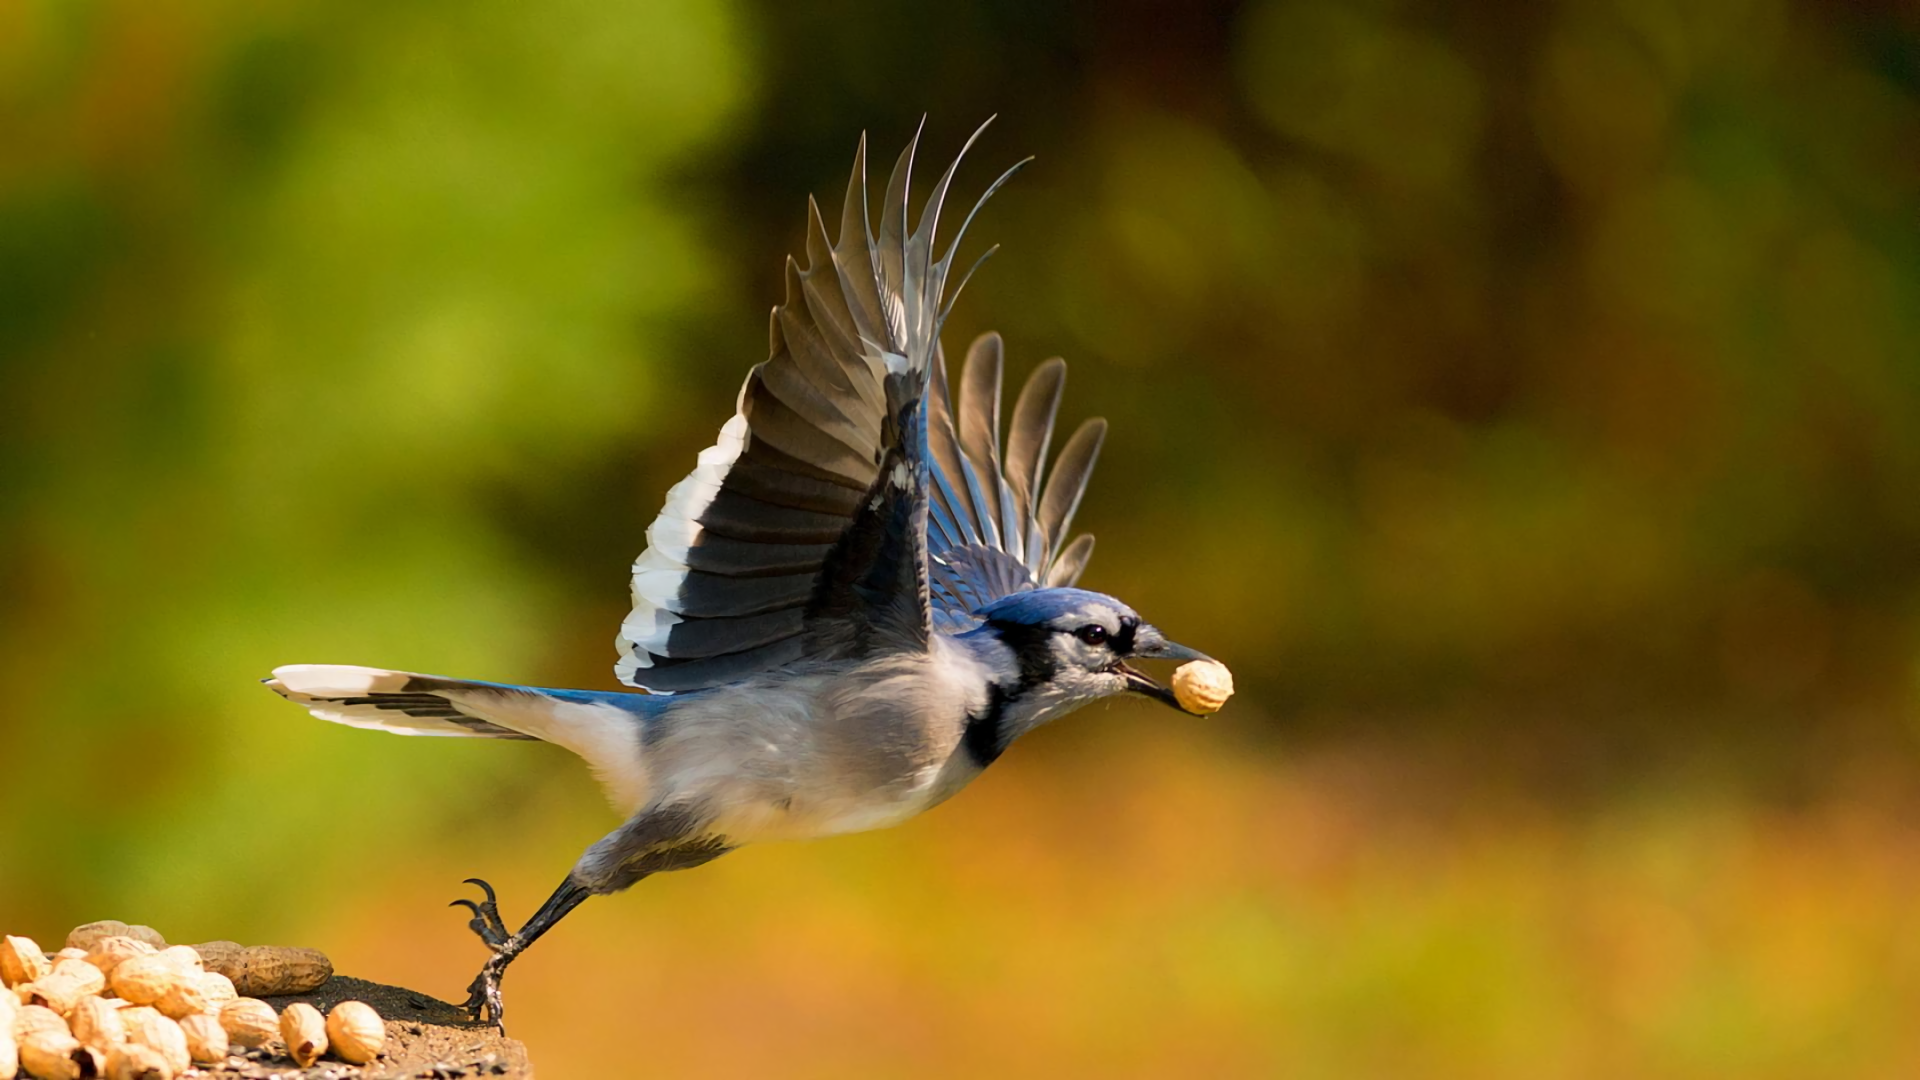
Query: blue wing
(993, 529)
(801, 534)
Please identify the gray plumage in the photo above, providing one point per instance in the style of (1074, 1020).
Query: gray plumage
(854, 603)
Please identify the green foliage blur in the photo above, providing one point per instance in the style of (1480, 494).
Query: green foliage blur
(1524, 399)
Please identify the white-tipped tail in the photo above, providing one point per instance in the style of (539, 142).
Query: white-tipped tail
(604, 729)
(382, 700)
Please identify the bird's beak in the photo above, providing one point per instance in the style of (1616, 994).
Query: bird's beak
(1150, 644)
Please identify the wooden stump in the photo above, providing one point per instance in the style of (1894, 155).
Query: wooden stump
(427, 1039)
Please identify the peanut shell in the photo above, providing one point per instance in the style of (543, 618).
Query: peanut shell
(54, 1055)
(249, 1022)
(84, 937)
(144, 980)
(195, 993)
(305, 1033)
(185, 997)
(206, 1039)
(68, 954)
(21, 961)
(218, 990)
(147, 1027)
(133, 1061)
(1202, 686)
(36, 1020)
(97, 1024)
(107, 953)
(356, 1032)
(268, 970)
(221, 956)
(183, 956)
(9, 1050)
(88, 976)
(61, 991)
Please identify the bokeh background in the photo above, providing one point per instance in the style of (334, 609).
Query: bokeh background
(1523, 398)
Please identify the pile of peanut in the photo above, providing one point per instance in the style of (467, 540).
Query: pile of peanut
(118, 1002)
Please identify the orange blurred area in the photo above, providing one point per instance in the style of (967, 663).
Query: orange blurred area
(1160, 907)
(1523, 399)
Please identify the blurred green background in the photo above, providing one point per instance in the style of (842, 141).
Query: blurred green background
(1523, 398)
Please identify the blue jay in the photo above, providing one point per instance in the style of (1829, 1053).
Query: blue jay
(854, 603)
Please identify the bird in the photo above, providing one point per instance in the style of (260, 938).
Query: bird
(850, 608)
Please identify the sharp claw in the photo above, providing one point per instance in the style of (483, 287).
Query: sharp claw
(486, 921)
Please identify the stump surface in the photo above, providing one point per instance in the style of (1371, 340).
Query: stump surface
(427, 1039)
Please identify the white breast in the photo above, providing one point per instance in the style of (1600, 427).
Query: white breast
(836, 751)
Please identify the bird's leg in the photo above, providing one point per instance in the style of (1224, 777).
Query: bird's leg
(658, 838)
(483, 995)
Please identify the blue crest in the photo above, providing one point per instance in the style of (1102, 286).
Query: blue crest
(1036, 607)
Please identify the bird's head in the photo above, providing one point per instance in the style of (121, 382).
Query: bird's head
(1074, 646)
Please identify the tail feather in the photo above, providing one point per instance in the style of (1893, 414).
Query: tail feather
(603, 728)
(395, 701)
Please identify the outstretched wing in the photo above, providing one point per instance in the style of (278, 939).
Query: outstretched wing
(993, 529)
(801, 534)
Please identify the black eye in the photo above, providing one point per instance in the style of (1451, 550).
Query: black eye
(1092, 634)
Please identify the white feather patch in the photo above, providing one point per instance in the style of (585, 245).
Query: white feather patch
(661, 569)
(337, 680)
(306, 684)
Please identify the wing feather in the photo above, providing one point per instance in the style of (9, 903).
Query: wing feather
(719, 596)
(979, 427)
(1031, 434)
(697, 638)
(803, 532)
(739, 516)
(998, 530)
(1069, 480)
(1072, 562)
(950, 471)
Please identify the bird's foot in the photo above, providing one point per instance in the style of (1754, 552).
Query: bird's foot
(486, 922)
(483, 994)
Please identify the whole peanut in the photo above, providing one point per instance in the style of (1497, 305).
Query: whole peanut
(305, 1033)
